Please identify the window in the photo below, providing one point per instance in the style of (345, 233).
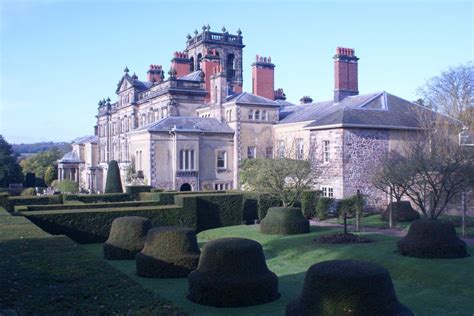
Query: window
(257, 115)
(269, 152)
(281, 148)
(250, 114)
(251, 152)
(327, 191)
(264, 115)
(222, 186)
(186, 159)
(221, 160)
(299, 148)
(326, 151)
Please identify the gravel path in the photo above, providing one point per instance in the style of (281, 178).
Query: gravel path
(390, 232)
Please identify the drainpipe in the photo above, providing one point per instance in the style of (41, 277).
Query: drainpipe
(173, 164)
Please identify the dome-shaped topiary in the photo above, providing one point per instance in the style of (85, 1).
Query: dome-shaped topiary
(428, 238)
(113, 183)
(169, 252)
(401, 212)
(126, 238)
(232, 272)
(347, 287)
(284, 221)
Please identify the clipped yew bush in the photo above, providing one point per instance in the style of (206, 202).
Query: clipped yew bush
(430, 238)
(127, 237)
(347, 287)
(113, 183)
(169, 252)
(232, 272)
(284, 221)
(401, 212)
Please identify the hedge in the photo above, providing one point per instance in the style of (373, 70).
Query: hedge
(93, 225)
(218, 210)
(12, 201)
(134, 190)
(167, 197)
(308, 203)
(3, 199)
(265, 201)
(95, 198)
(250, 207)
(84, 206)
(322, 207)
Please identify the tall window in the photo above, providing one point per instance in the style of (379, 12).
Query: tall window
(264, 115)
(299, 148)
(269, 152)
(221, 160)
(281, 148)
(257, 115)
(326, 151)
(251, 152)
(250, 114)
(327, 191)
(186, 159)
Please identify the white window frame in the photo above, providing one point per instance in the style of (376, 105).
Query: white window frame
(327, 191)
(186, 160)
(224, 158)
(326, 151)
(299, 148)
(281, 148)
(251, 152)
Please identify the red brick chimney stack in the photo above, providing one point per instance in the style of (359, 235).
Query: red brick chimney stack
(155, 74)
(181, 63)
(345, 73)
(208, 62)
(263, 77)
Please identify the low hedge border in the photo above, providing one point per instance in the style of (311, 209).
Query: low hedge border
(218, 210)
(97, 198)
(134, 190)
(93, 225)
(84, 206)
(13, 201)
(167, 197)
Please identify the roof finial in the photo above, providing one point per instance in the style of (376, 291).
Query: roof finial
(239, 32)
(188, 36)
(108, 99)
(208, 27)
(196, 32)
(126, 70)
(134, 76)
(204, 27)
(224, 29)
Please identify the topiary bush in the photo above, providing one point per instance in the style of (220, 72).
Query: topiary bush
(265, 201)
(135, 190)
(218, 210)
(97, 198)
(401, 212)
(67, 186)
(127, 237)
(250, 207)
(322, 207)
(309, 200)
(347, 287)
(169, 252)
(428, 238)
(30, 180)
(28, 192)
(113, 183)
(232, 272)
(284, 221)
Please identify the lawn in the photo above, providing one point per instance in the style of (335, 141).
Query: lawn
(374, 221)
(428, 287)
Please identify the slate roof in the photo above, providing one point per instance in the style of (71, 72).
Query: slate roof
(140, 85)
(188, 124)
(194, 76)
(376, 110)
(246, 98)
(85, 139)
(70, 157)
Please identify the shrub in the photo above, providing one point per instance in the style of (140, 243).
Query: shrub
(30, 180)
(50, 175)
(347, 287)
(113, 183)
(28, 192)
(126, 238)
(232, 272)
(169, 252)
(427, 238)
(150, 196)
(134, 190)
(322, 207)
(156, 190)
(218, 210)
(13, 201)
(265, 201)
(250, 207)
(3, 199)
(401, 212)
(284, 221)
(95, 198)
(93, 225)
(67, 186)
(308, 203)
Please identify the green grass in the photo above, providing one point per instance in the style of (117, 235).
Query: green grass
(428, 287)
(374, 221)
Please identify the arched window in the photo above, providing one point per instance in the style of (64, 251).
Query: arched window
(230, 65)
(198, 62)
(257, 115)
(192, 64)
(264, 115)
(250, 114)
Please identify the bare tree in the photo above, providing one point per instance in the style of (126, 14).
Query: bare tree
(391, 176)
(452, 92)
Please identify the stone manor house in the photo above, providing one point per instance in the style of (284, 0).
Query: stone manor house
(191, 128)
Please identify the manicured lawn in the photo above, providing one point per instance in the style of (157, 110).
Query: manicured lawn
(428, 287)
(374, 221)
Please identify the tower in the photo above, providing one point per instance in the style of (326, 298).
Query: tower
(227, 46)
(345, 73)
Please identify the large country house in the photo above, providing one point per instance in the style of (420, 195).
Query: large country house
(191, 128)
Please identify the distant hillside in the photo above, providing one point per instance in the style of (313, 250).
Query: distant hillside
(39, 147)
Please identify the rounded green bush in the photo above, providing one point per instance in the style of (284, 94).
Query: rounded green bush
(126, 238)
(232, 272)
(347, 287)
(284, 221)
(169, 252)
(401, 212)
(428, 238)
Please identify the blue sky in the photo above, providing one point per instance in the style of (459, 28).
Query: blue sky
(58, 58)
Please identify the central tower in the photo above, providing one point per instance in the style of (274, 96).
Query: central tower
(227, 46)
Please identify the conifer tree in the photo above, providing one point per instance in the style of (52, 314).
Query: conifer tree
(113, 183)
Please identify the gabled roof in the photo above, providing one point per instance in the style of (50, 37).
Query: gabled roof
(187, 124)
(246, 98)
(381, 110)
(194, 76)
(140, 85)
(85, 139)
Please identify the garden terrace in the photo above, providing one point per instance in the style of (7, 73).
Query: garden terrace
(54, 275)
